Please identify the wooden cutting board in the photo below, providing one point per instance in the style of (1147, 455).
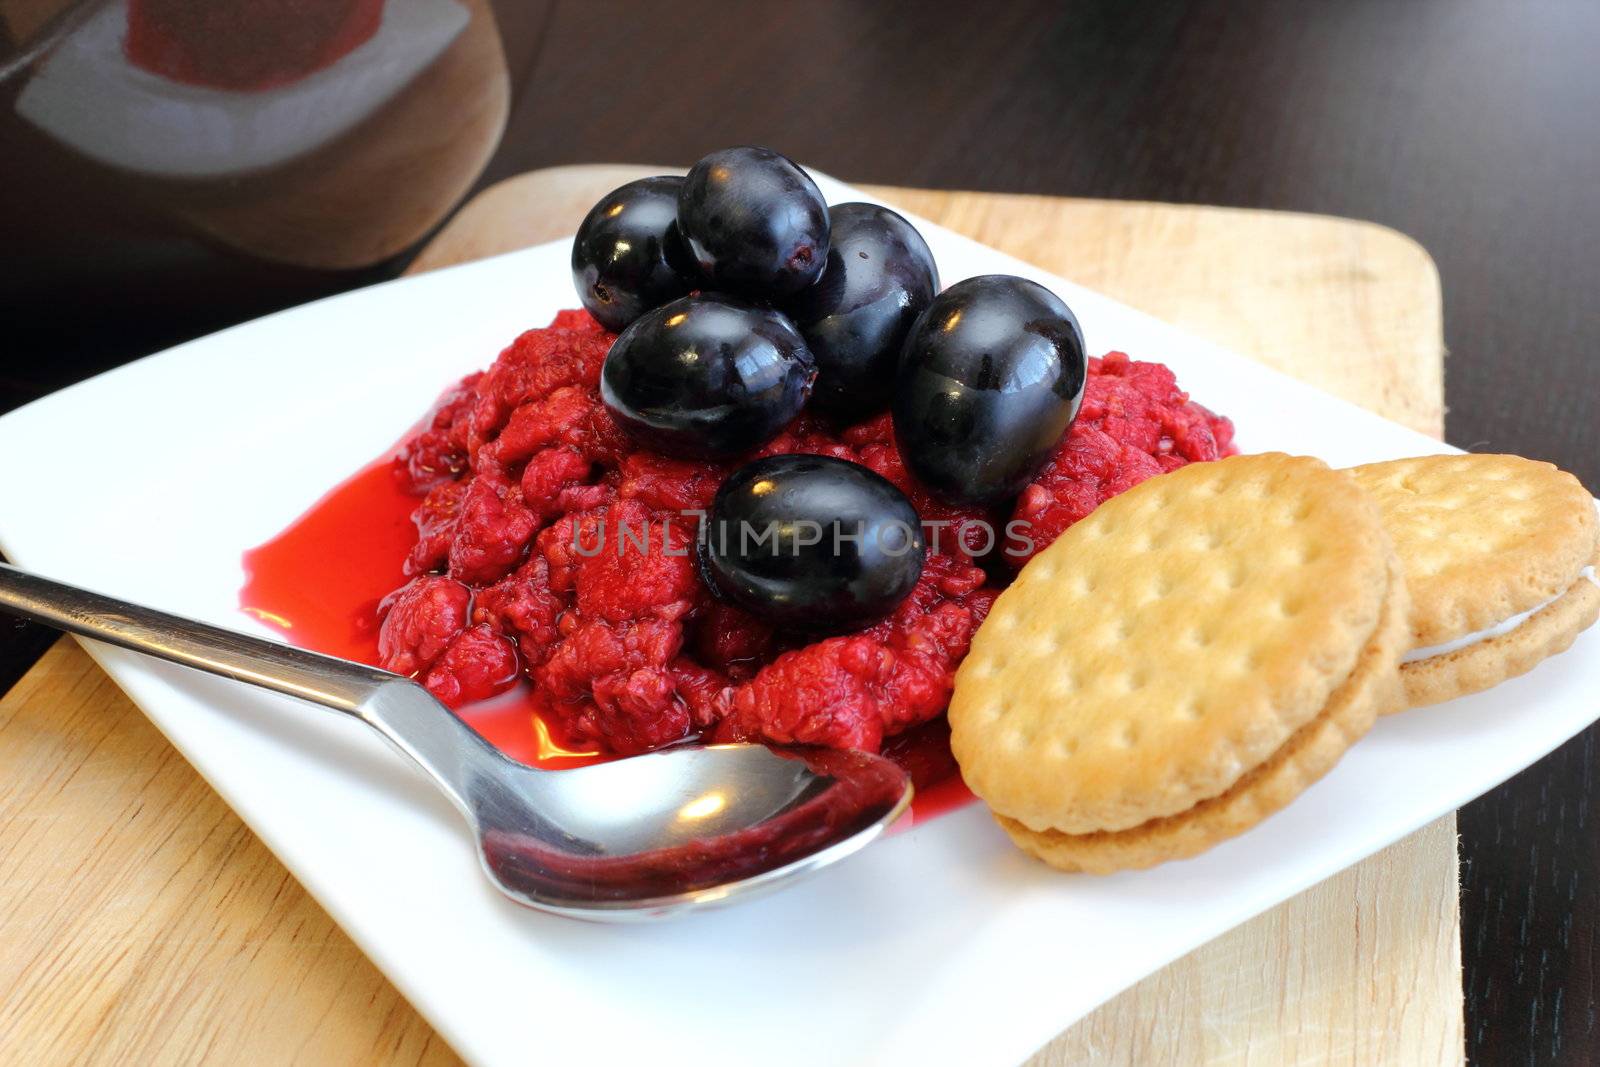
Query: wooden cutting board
(144, 923)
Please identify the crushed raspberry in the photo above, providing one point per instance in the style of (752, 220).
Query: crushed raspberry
(420, 619)
(613, 678)
(646, 568)
(437, 454)
(524, 607)
(853, 691)
(435, 520)
(478, 664)
(491, 531)
(568, 352)
(612, 684)
(548, 545)
(670, 484)
(733, 641)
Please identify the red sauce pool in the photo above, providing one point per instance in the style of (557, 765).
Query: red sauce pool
(319, 583)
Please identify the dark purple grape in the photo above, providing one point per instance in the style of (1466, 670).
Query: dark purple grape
(707, 377)
(991, 376)
(629, 256)
(811, 543)
(879, 277)
(755, 223)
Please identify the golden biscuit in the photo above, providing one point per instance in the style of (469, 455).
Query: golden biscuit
(1182, 662)
(1496, 552)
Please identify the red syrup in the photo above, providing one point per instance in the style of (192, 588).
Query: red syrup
(319, 583)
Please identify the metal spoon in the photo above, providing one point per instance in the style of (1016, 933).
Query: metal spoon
(631, 839)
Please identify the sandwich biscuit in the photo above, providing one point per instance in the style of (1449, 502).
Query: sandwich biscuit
(1499, 555)
(1182, 662)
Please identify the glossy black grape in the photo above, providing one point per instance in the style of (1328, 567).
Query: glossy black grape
(990, 378)
(707, 377)
(629, 256)
(811, 543)
(755, 223)
(879, 277)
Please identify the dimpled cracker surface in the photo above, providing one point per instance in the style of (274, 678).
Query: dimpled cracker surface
(1482, 538)
(1488, 663)
(1373, 687)
(1169, 643)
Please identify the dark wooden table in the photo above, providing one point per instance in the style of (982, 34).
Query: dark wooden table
(1473, 125)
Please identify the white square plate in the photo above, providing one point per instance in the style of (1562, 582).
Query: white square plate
(941, 945)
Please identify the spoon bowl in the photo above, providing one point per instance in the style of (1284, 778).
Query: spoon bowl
(682, 828)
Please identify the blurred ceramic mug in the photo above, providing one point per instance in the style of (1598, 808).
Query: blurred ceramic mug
(324, 134)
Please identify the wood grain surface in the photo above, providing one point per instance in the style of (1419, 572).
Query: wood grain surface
(144, 923)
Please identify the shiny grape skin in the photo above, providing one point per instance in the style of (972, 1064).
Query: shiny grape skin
(990, 378)
(880, 275)
(707, 376)
(833, 586)
(629, 256)
(754, 222)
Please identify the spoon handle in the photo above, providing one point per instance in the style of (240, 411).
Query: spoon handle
(333, 683)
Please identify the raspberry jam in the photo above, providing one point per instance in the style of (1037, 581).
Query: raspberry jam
(320, 582)
(459, 561)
